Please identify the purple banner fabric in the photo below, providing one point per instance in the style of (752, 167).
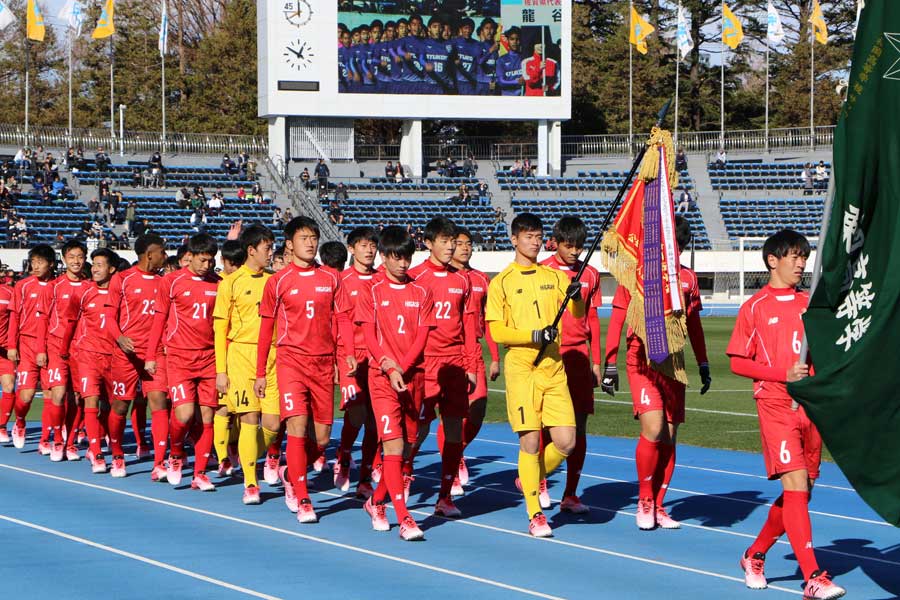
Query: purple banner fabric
(654, 304)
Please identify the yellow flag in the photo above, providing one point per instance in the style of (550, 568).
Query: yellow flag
(818, 22)
(105, 26)
(732, 32)
(640, 29)
(34, 22)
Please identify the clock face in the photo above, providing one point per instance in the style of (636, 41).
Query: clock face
(297, 12)
(299, 55)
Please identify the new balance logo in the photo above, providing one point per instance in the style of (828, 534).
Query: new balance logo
(294, 292)
(519, 291)
(385, 302)
(773, 321)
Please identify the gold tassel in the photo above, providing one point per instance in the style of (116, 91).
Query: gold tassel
(650, 164)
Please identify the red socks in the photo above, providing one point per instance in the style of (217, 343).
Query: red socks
(453, 451)
(348, 436)
(646, 456)
(799, 530)
(297, 465)
(275, 447)
(46, 421)
(159, 428)
(139, 422)
(202, 449)
(177, 431)
(74, 417)
(471, 427)
(21, 409)
(393, 481)
(771, 530)
(574, 465)
(7, 402)
(92, 423)
(663, 473)
(369, 450)
(440, 437)
(116, 433)
(57, 420)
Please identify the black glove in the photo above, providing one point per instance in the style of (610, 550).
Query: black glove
(547, 335)
(610, 383)
(705, 378)
(573, 292)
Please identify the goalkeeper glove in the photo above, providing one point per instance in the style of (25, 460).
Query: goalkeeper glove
(705, 378)
(610, 382)
(573, 292)
(545, 336)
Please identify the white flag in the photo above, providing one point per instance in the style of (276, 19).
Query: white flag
(6, 16)
(164, 30)
(776, 31)
(683, 36)
(72, 14)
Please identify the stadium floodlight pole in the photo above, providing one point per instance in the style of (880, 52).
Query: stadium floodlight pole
(812, 87)
(767, 93)
(722, 83)
(661, 117)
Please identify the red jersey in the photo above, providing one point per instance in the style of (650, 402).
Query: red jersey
(91, 314)
(479, 283)
(769, 331)
(55, 303)
(399, 311)
(185, 302)
(578, 331)
(451, 294)
(24, 313)
(303, 302)
(6, 294)
(132, 294)
(357, 287)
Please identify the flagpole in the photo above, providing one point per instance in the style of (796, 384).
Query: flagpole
(163, 102)
(677, 75)
(722, 84)
(71, 41)
(767, 92)
(112, 108)
(630, 82)
(812, 87)
(27, 86)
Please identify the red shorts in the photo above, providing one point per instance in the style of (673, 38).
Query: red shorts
(790, 441)
(7, 367)
(355, 388)
(577, 364)
(446, 387)
(94, 374)
(59, 372)
(481, 390)
(191, 376)
(651, 390)
(27, 373)
(130, 378)
(305, 385)
(397, 415)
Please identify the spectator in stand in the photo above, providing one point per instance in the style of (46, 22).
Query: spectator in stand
(550, 245)
(399, 176)
(340, 193)
(721, 157)
(276, 217)
(227, 165)
(499, 215)
(527, 169)
(516, 170)
(685, 201)
(214, 205)
(463, 196)
(92, 242)
(110, 213)
(101, 159)
(155, 161)
(490, 243)
(304, 177)
(335, 214)
(470, 167)
(181, 197)
(70, 158)
(198, 220)
(141, 227)
(251, 170)
(242, 160)
(286, 216)
(680, 161)
(136, 180)
(821, 172)
(322, 174)
(59, 240)
(390, 170)
(94, 208)
(103, 188)
(50, 165)
(130, 214)
(241, 194)
(806, 177)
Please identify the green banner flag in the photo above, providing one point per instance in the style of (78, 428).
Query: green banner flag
(853, 321)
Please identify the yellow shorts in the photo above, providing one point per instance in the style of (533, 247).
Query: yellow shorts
(240, 364)
(536, 397)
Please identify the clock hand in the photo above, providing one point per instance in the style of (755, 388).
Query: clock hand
(296, 53)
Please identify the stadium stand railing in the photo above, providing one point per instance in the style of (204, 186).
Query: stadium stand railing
(586, 181)
(756, 175)
(760, 217)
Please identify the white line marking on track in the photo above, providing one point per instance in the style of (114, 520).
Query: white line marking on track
(286, 532)
(138, 558)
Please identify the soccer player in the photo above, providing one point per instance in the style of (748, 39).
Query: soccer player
(479, 282)
(54, 307)
(7, 368)
(21, 341)
(302, 298)
(236, 323)
(765, 347)
(449, 355)
(509, 66)
(396, 315)
(487, 58)
(437, 57)
(87, 320)
(582, 371)
(467, 51)
(131, 299)
(357, 280)
(278, 259)
(522, 302)
(658, 400)
(184, 310)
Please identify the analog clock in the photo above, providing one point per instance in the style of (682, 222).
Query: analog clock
(297, 12)
(298, 54)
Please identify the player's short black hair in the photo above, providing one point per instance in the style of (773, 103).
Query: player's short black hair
(71, 244)
(173, 262)
(526, 222)
(143, 243)
(783, 243)
(436, 19)
(376, 22)
(404, 21)
(253, 235)
(486, 21)
(683, 233)
(362, 234)
(234, 252)
(202, 243)
(513, 30)
(124, 265)
(391, 24)
(278, 252)
(570, 230)
(396, 242)
(181, 251)
(416, 17)
(460, 230)
(334, 254)
(44, 251)
(466, 21)
(438, 226)
(298, 223)
(112, 259)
